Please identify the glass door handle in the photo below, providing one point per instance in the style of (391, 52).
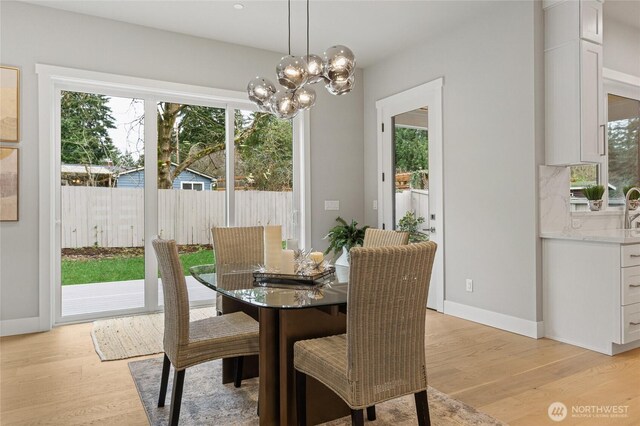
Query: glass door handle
(432, 229)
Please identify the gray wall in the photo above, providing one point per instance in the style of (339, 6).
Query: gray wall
(621, 46)
(492, 99)
(32, 34)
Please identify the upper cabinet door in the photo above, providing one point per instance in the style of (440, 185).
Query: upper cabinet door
(592, 126)
(591, 20)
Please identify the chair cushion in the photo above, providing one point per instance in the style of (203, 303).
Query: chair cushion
(224, 336)
(325, 359)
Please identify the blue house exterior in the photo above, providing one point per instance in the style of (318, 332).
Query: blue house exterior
(188, 179)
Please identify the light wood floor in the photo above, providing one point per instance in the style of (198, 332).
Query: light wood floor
(57, 378)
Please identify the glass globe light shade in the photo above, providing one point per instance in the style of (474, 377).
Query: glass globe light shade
(341, 87)
(267, 106)
(339, 63)
(306, 97)
(260, 90)
(292, 72)
(285, 104)
(314, 68)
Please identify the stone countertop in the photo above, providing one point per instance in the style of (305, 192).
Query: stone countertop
(618, 236)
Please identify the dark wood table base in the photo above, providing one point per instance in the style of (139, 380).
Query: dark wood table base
(300, 324)
(279, 330)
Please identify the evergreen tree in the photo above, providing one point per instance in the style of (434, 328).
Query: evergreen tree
(85, 120)
(624, 164)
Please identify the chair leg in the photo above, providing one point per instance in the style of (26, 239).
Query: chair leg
(238, 381)
(176, 397)
(422, 407)
(164, 380)
(301, 398)
(357, 418)
(371, 413)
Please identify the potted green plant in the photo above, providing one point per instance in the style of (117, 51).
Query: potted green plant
(594, 194)
(410, 223)
(633, 199)
(342, 237)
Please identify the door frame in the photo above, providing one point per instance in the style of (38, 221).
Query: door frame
(429, 95)
(51, 81)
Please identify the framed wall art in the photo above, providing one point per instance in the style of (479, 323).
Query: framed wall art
(8, 184)
(9, 104)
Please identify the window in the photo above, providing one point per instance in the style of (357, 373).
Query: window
(623, 139)
(195, 186)
(621, 169)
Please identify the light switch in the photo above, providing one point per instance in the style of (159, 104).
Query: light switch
(375, 204)
(331, 205)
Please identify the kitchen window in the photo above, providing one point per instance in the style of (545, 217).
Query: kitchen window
(620, 168)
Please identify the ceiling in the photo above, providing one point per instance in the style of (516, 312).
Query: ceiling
(625, 11)
(372, 29)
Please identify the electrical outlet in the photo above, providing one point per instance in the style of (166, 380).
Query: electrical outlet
(331, 205)
(469, 283)
(375, 204)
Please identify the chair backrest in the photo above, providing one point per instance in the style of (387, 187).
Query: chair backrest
(238, 245)
(176, 297)
(387, 302)
(384, 238)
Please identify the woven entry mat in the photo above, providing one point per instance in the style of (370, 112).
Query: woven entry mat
(138, 335)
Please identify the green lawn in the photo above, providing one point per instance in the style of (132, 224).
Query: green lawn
(121, 268)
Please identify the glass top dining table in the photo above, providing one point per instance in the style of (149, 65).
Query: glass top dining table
(286, 313)
(237, 282)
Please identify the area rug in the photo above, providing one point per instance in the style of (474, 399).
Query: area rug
(127, 337)
(206, 401)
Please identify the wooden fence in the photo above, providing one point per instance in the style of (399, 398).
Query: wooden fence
(416, 200)
(114, 217)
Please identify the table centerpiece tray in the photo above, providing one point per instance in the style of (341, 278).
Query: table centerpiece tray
(306, 280)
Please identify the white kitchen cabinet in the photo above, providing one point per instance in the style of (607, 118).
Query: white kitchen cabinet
(591, 293)
(591, 20)
(574, 97)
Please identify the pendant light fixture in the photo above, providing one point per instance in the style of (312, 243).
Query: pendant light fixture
(296, 74)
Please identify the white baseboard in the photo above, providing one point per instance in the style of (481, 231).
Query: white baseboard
(604, 349)
(19, 326)
(494, 319)
(618, 349)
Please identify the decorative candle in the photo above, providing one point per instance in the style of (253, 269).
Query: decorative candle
(316, 256)
(288, 265)
(292, 244)
(273, 247)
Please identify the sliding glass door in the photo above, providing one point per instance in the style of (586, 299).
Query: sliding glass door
(132, 165)
(101, 219)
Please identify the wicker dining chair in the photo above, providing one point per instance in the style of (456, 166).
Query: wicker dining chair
(384, 238)
(382, 355)
(238, 245)
(235, 248)
(189, 343)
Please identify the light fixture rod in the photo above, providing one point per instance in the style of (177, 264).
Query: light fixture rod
(289, 23)
(307, 29)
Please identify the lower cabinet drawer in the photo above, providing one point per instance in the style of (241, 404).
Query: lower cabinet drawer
(630, 285)
(630, 323)
(630, 255)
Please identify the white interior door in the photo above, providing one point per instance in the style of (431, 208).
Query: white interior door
(395, 192)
